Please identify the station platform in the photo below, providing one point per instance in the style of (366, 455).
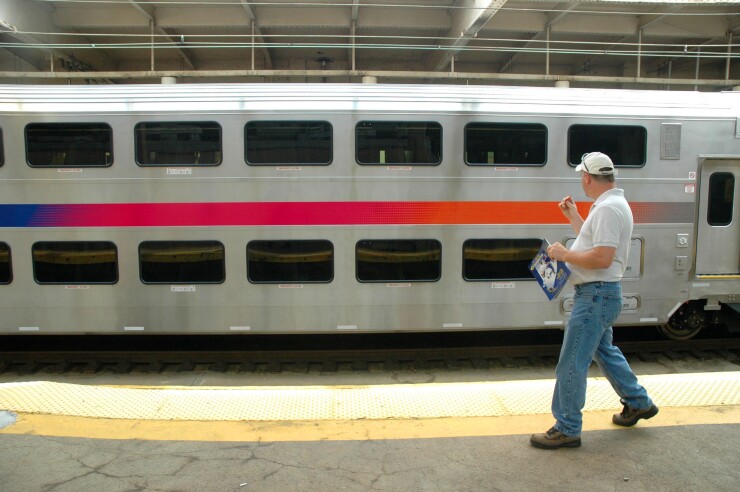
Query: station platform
(423, 436)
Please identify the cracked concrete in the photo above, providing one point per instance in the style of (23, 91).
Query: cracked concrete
(655, 459)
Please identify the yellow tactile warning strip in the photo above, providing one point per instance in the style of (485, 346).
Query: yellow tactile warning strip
(418, 401)
(345, 430)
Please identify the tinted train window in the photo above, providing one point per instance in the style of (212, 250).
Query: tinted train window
(398, 142)
(720, 199)
(69, 144)
(401, 260)
(269, 143)
(290, 261)
(182, 262)
(75, 262)
(178, 144)
(6, 273)
(499, 259)
(520, 144)
(625, 145)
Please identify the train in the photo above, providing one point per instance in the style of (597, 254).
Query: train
(352, 208)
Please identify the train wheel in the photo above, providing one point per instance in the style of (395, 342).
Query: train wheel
(685, 323)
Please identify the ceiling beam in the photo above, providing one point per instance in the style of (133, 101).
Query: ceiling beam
(466, 22)
(552, 19)
(257, 32)
(148, 12)
(450, 76)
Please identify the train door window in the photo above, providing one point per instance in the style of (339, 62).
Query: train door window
(519, 144)
(720, 199)
(625, 145)
(398, 260)
(170, 143)
(298, 261)
(270, 143)
(182, 262)
(69, 145)
(6, 272)
(398, 142)
(499, 259)
(75, 262)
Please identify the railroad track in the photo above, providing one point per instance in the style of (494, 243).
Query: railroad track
(340, 359)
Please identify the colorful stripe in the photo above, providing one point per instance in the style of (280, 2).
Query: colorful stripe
(313, 214)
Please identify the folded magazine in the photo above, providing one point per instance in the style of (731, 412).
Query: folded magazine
(552, 275)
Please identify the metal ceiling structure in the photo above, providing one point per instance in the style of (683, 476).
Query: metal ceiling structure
(690, 44)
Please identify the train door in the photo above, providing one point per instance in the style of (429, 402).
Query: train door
(718, 222)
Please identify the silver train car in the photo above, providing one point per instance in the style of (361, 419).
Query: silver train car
(351, 208)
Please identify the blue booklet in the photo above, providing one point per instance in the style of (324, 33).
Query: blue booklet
(552, 275)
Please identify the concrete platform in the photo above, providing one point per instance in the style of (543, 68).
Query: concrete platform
(435, 436)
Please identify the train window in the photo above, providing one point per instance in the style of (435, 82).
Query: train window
(720, 199)
(75, 262)
(269, 143)
(299, 261)
(6, 273)
(398, 260)
(182, 262)
(625, 145)
(398, 142)
(499, 259)
(171, 143)
(69, 145)
(520, 144)
(2, 150)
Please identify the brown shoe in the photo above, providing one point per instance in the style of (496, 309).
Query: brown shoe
(629, 416)
(554, 439)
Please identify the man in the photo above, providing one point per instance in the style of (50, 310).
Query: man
(597, 261)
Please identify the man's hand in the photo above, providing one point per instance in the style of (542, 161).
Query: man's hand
(569, 209)
(557, 252)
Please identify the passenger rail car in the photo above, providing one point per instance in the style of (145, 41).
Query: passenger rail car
(350, 208)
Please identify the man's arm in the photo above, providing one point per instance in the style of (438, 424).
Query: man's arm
(569, 209)
(595, 258)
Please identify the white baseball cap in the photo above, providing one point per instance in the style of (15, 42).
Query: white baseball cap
(596, 163)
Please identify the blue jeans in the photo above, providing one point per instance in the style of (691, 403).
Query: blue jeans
(588, 336)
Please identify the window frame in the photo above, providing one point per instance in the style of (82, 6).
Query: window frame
(536, 244)
(5, 248)
(101, 125)
(509, 124)
(67, 243)
(398, 280)
(616, 157)
(216, 124)
(183, 242)
(286, 282)
(288, 163)
(400, 163)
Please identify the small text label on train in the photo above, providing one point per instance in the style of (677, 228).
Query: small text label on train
(179, 170)
(182, 288)
(503, 285)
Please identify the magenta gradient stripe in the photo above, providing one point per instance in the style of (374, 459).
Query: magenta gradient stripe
(314, 213)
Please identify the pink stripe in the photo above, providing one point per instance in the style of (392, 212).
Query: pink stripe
(326, 213)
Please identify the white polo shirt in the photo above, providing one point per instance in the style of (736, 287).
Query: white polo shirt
(609, 223)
